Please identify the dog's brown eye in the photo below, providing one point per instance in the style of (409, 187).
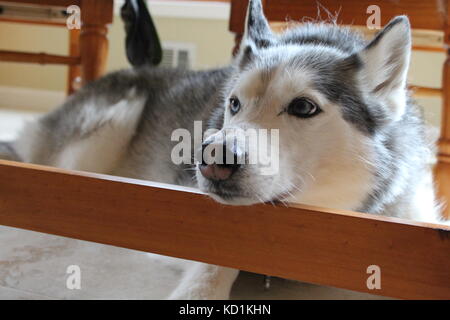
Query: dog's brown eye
(303, 108)
(235, 105)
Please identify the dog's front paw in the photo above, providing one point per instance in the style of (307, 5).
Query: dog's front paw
(198, 294)
(203, 281)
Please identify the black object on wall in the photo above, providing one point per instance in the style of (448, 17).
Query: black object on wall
(142, 42)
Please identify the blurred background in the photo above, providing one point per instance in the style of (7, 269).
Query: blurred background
(194, 35)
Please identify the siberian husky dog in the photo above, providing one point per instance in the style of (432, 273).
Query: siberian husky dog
(350, 135)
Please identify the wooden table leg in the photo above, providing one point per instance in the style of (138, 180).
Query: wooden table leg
(237, 43)
(442, 180)
(74, 73)
(94, 50)
(444, 141)
(442, 170)
(95, 17)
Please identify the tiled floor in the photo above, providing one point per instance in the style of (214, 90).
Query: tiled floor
(34, 265)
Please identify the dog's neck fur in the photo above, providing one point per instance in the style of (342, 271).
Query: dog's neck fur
(332, 186)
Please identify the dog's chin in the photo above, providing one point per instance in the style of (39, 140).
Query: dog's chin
(237, 200)
(236, 195)
(233, 201)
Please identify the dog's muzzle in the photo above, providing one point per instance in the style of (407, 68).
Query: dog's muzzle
(221, 166)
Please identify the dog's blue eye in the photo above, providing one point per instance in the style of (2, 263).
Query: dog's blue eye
(235, 105)
(303, 108)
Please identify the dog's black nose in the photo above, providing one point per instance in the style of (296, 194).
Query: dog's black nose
(219, 162)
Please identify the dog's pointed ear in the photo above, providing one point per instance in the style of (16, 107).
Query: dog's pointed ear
(257, 32)
(257, 29)
(385, 65)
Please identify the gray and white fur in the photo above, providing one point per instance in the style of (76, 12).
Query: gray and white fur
(367, 149)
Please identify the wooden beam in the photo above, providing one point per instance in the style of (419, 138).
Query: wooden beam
(41, 58)
(322, 246)
(429, 49)
(426, 91)
(33, 21)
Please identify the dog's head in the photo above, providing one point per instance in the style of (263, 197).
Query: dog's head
(321, 93)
